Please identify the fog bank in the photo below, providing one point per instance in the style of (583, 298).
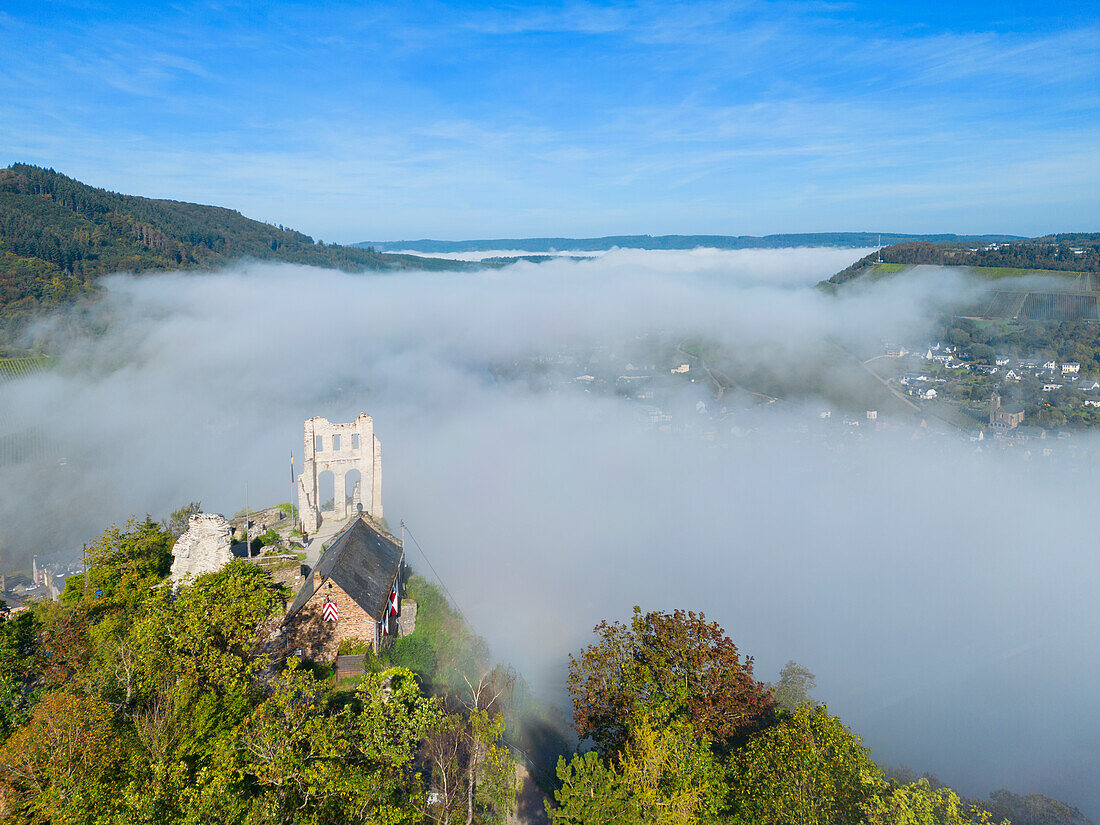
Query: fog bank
(943, 596)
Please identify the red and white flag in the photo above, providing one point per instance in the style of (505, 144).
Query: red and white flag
(394, 599)
(330, 612)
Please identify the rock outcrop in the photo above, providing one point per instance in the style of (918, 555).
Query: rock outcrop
(204, 548)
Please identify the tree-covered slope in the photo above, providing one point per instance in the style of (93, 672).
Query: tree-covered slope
(57, 235)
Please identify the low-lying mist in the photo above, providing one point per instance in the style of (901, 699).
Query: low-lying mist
(943, 596)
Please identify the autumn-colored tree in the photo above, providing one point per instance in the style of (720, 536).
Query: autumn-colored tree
(57, 767)
(808, 769)
(665, 666)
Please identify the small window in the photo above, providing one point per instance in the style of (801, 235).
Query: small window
(336, 443)
(319, 443)
(355, 441)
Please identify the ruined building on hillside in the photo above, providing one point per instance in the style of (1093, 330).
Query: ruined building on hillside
(350, 453)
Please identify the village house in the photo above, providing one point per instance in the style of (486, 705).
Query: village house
(1051, 387)
(1050, 366)
(354, 593)
(1071, 368)
(1002, 360)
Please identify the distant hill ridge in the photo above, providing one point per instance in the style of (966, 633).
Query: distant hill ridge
(1071, 252)
(58, 235)
(834, 239)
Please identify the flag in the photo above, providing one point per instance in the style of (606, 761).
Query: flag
(394, 602)
(292, 468)
(330, 612)
(385, 625)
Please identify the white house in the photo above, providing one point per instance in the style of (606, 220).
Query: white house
(1012, 375)
(680, 370)
(1002, 360)
(928, 394)
(1051, 387)
(1071, 368)
(1050, 365)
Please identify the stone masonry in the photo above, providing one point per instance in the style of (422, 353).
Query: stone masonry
(339, 449)
(203, 548)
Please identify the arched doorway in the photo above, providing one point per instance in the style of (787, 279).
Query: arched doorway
(326, 491)
(353, 492)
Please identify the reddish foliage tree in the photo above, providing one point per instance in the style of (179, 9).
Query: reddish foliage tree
(665, 665)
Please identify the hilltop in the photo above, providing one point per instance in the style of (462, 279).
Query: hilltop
(58, 235)
(852, 240)
(1067, 253)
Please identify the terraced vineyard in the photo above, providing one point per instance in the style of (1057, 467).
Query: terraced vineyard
(1044, 305)
(21, 367)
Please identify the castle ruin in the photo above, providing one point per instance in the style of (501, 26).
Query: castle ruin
(340, 449)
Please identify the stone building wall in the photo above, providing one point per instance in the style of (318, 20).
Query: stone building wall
(339, 449)
(320, 639)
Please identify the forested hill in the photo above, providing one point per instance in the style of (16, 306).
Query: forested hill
(57, 235)
(837, 239)
(1061, 253)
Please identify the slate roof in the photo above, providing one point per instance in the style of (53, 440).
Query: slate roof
(363, 561)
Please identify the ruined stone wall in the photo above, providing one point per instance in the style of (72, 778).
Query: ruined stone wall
(206, 546)
(339, 449)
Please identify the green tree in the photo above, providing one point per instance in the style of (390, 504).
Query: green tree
(919, 804)
(176, 525)
(794, 686)
(664, 775)
(313, 762)
(591, 793)
(808, 769)
(20, 670)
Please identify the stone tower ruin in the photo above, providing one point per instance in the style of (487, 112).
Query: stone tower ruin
(340, 449)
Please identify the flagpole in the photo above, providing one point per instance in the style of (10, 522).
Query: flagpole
(247, 535)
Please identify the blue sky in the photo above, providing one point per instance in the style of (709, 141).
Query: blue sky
(354, 121)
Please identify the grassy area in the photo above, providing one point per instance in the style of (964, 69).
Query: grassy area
(886, 269)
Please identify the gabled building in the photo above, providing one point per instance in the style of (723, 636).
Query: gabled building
(354, 592)
(1002, 418)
